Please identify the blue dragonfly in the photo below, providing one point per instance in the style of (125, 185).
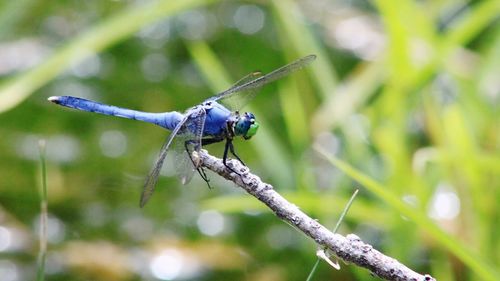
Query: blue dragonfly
(203, 124)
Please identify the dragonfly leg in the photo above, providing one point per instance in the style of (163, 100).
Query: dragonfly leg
(204, 176)
(229, 147)
(200, 170)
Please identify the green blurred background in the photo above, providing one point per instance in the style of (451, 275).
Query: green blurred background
(402, 102)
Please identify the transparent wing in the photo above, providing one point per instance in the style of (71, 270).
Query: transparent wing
(250, 84)
(182, 131)
(236, 102)
(149, 185)
(184, 168)
(186, 143)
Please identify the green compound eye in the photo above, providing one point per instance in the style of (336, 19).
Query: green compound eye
(252, 130)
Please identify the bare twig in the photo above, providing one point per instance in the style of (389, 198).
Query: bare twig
(349, 248)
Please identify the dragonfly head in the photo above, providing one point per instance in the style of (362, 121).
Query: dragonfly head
(246, 126)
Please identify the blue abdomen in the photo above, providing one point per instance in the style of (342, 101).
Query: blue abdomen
(167, 120)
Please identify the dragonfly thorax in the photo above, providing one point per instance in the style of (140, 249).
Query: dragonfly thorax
(246, 126)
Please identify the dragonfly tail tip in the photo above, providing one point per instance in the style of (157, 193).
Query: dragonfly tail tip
(54, 99)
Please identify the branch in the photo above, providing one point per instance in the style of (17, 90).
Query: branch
(349, 248)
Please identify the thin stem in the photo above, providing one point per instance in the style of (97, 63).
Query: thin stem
(43, 215)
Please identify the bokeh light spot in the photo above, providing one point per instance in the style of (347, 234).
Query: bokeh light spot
(8, 271)
(167, 265)
(445, 204)
(211, 222)
(113, 143)
(156, 35)
(56, 229)
(5, 239)
(249, 19)
(155, 67)
(88, 67)
(196, 25)
(60, 148)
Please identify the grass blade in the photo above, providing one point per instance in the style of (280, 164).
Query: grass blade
(43, 215)
(96, 39)
(339, 221)
(473, 260)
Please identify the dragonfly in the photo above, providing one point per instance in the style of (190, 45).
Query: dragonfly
(216, 119)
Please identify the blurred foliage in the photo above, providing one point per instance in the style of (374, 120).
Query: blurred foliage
(402, 102)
